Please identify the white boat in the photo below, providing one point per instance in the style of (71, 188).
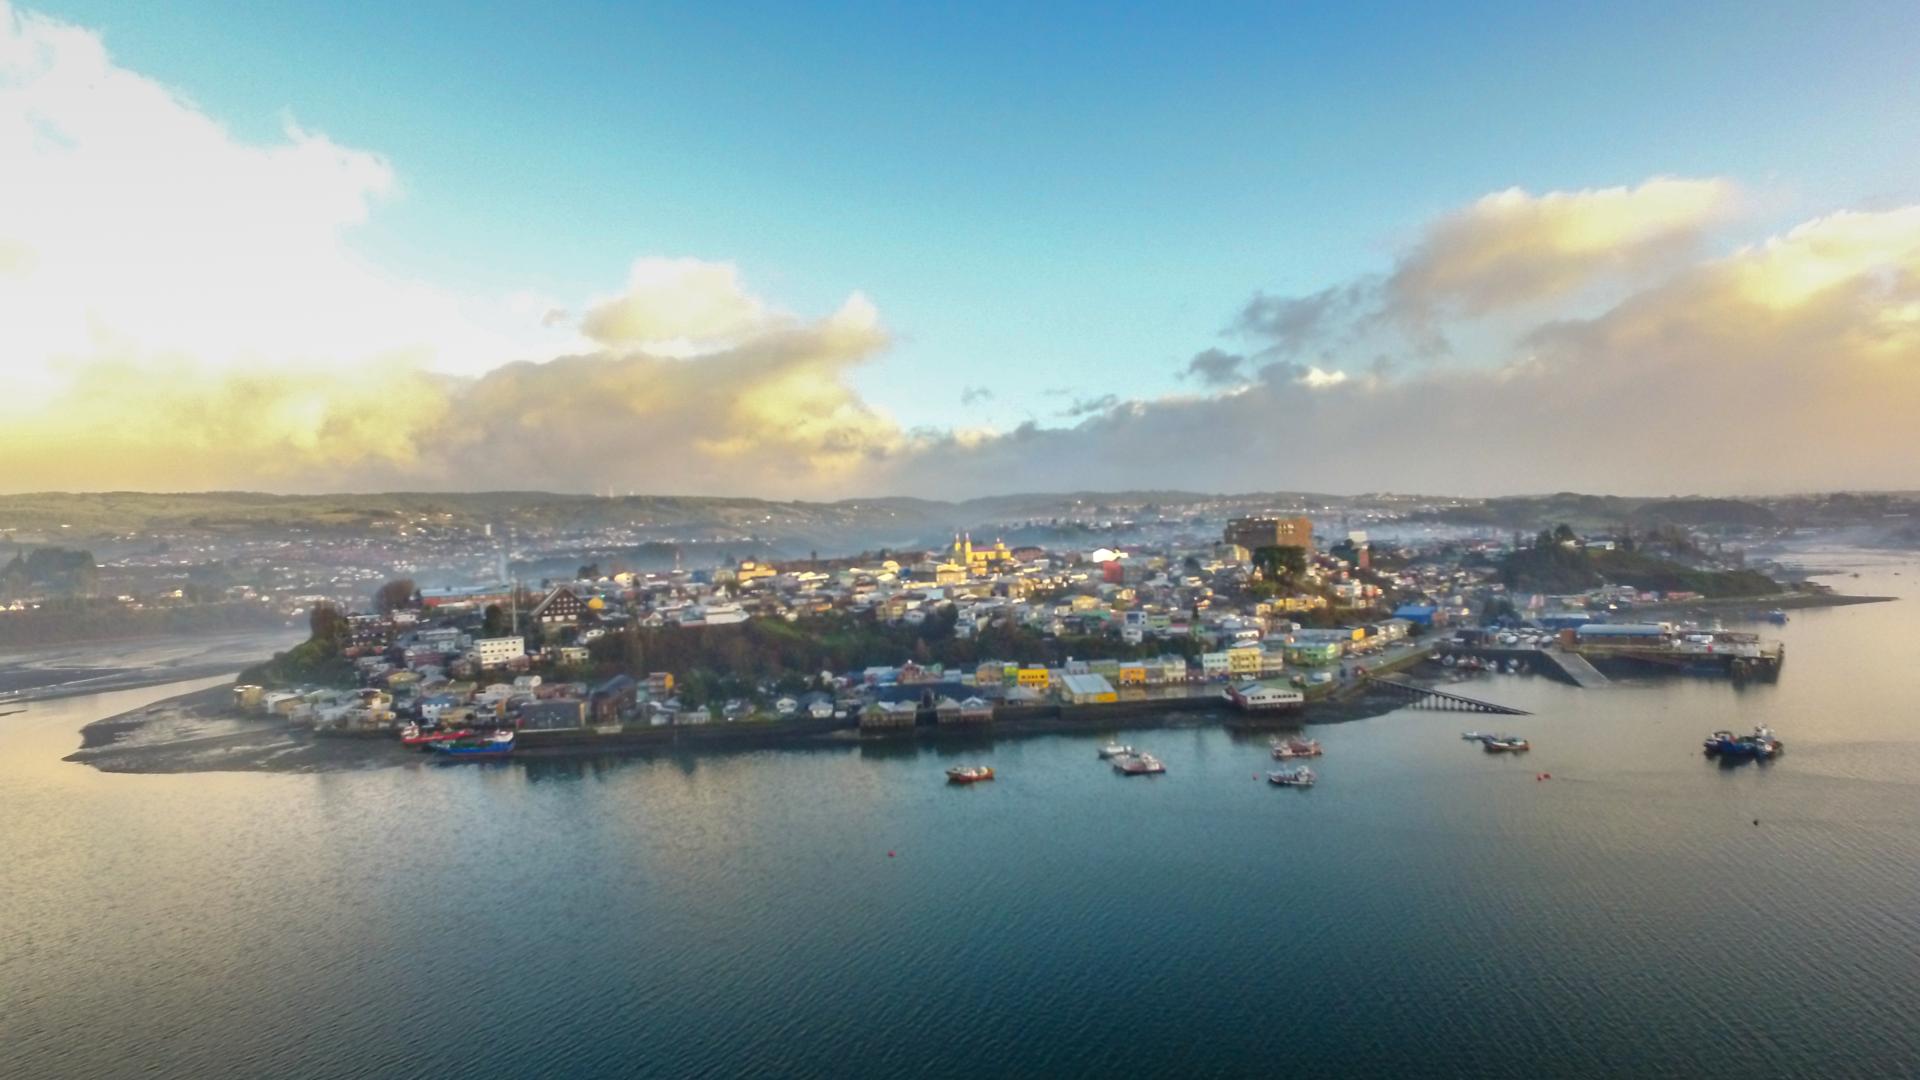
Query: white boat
(1300, 777)
(1115, 750)
(1474, 736)
(1138, 765)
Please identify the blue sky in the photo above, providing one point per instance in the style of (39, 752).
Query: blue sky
(1478, 205)
(1036, 196)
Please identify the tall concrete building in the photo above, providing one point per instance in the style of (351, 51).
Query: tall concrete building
(1259, 532)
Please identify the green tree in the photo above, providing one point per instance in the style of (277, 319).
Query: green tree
(396, 595)
(1280, 562)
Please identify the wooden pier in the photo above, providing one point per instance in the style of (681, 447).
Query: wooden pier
(1441, 699)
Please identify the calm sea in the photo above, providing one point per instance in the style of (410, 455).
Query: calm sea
(1428, 909)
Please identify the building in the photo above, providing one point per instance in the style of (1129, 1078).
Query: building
(1258, 532)
(981, 560)
(493, 652)
(1034, 678)
(554, 714)
(1088, 689)
(561, 607)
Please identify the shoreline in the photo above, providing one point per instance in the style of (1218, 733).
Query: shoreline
(200, 732)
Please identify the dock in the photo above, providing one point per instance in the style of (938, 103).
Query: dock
(1442, 699)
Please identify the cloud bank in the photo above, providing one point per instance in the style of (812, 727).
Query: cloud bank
(187, 310)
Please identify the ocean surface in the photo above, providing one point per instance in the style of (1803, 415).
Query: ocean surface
(1428, 909)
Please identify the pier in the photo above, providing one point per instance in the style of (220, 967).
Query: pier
(1441, 699)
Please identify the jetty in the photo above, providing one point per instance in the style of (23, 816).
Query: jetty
(1441, 699)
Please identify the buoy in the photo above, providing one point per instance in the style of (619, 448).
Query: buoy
(889, 854)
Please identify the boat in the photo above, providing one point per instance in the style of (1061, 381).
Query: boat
(1300, 777)
(498, 744)
(1114, 750)
(1138, 765)
(969, 774)
(415, 735)
(1474, 736)
(1760, 744)
(1777, 617)
(1296, 748)
(1497, 744)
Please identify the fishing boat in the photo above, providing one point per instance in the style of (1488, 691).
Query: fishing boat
(1760, 744)
(1300, 777)
(1114, 750)
(1138, 765)
(498, 744)
(415, 735)
(1296, 748)
(969, 774)
(1498, 744)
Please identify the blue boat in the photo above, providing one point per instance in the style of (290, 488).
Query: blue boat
(1760, 744)
(498, 744)
(1777, 617)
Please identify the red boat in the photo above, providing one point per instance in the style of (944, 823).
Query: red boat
(415, 735)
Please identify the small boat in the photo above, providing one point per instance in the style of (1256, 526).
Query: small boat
(498, 744)
(1114, 750)
(1296, 748)
(1497, 744)
(1777, 617)
(1138, 765)
(1760, 744)
(1300, 777)
(969, 774)
(1474, 736)
(415, 735)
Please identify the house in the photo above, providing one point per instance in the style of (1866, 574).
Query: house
(557, 714)
(613, 699)
(660, 684)
(883, 715)
(561, 607)
(976, 710)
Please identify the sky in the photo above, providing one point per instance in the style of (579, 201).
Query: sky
(822, 251)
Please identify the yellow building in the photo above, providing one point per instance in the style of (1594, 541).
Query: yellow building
(1244, 661)
(984, 560)
(1034, 678)
(1133, 675)
(949, 573)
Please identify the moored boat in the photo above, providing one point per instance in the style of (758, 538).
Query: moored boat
(498, 744)
(1474, 736)
(1114, 750)
(969, 774)
(1138, 765)
(415, 735)
(1300, 777)
(1296, 748)
(1497, 744)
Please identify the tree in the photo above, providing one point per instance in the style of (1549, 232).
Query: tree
(396, 595)
(589, 572)
(1282, 562)
(327, 626)
(493, 621)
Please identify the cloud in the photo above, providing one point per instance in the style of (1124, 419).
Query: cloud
(1090, 405)
(1215, 367)
(1506, 251)
(185, 309)
(974, 395)
(1512, 247)
(1789, 364)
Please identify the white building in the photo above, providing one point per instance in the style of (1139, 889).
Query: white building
(493, 652)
